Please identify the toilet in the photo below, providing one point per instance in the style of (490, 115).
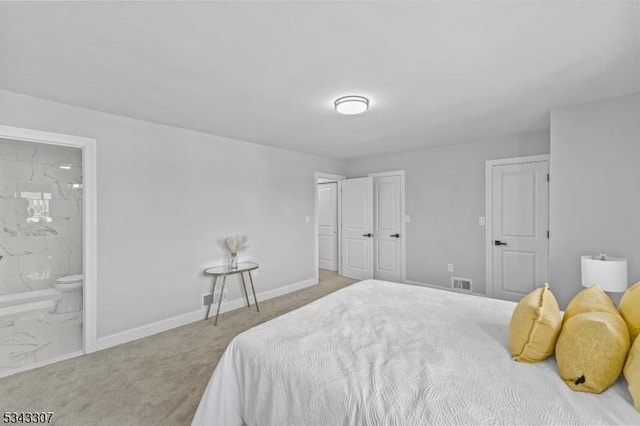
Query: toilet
(70, 288)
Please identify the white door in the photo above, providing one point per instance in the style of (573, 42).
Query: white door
(520, 245)
(386, 229)
(357, 228)
(328, 225)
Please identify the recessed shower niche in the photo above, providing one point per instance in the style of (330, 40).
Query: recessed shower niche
(41, 253)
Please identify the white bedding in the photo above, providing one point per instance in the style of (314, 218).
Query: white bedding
(380, 353)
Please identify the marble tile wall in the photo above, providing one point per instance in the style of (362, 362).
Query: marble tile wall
(40, 215)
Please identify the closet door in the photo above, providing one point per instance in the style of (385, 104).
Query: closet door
(357, 225)
(387, 223)
(520, 223)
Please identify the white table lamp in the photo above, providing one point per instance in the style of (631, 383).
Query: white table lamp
(610, 273)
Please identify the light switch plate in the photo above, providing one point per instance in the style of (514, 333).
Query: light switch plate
(407, 218)
(481, 221)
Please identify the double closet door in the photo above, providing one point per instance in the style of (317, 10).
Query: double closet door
(371, 223)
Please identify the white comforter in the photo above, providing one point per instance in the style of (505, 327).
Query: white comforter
(380, 353)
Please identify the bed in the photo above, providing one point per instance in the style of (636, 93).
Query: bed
(381, 353)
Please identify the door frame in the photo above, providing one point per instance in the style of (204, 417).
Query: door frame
(489, 164)
(338, 179)
(403, 221)
(89, 201)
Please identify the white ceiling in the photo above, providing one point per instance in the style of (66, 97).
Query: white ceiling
(437, 73)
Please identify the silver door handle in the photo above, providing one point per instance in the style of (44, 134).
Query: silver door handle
(369, 235)
(395, 235)
(499, 243)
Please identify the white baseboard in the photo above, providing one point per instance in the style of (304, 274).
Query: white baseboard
(155, 327)
(184, 319)
(439, 287)
(270, 294)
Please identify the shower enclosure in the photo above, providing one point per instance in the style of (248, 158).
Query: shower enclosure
(41, 246)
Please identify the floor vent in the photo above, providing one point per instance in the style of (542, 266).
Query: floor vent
(461, 283)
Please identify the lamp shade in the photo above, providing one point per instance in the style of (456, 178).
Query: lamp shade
(609, 273)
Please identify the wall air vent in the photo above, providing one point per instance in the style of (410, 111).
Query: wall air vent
(207, 299)
(461, 283)
(213, 298)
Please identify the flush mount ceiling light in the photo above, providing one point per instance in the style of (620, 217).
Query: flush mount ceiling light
(351, 105)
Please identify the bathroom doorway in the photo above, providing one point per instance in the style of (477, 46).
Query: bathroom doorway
(47, 248)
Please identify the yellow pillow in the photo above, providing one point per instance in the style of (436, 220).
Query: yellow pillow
(632, 372)
(630, 310)
(589, 300)
(591, 350)
(534, 326)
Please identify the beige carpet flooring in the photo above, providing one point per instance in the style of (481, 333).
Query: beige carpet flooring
(158, 380)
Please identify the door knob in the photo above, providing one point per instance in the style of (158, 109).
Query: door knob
(395, 235)
(369, 235)
(499, 243)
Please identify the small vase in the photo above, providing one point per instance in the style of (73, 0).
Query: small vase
(233, 263)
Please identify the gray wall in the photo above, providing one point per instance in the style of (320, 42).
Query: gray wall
(595, 188)
(167, 196)
(445, 195)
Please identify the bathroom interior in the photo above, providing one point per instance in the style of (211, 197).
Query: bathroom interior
(41, 254)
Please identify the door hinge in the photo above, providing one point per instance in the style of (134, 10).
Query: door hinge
(547, 177)
(547, 235)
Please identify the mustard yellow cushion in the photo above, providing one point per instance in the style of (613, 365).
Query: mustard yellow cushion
(632, 373)
(591, 350)
(630, 310)
(589, 300)
(534, 326)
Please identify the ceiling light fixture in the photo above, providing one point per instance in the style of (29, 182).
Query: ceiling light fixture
(351, 105)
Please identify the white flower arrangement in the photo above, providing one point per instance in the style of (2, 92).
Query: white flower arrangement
(235, 243)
